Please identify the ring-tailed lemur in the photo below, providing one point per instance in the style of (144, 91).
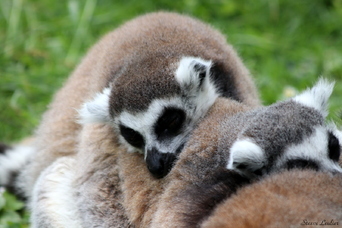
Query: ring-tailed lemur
(151, 80)
(246, 146)
(202, 177)
(176, 69)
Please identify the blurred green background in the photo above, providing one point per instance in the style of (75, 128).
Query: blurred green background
(286, 44)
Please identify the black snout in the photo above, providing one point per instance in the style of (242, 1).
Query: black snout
(159, 164)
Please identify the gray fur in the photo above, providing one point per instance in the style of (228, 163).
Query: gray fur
(286, 124)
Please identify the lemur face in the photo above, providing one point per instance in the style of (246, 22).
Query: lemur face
(290, 134)
(161, 130)
(160, 133)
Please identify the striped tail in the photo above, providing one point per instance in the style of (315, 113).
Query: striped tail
(13, 159)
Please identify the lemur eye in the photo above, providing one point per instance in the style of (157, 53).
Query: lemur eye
(334, 147)
(132, 137)
(170, 122)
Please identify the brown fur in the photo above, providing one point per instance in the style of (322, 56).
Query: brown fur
(199, 165)
(97, 180)
(112, 184)
(289, 199)
(157, 34)
(143, 192)
(112, 179)
(200, 172)
(168, 202)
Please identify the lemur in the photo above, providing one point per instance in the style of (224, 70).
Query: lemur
(245, 147)
(151, 80)
(288, 135)
(289, 199)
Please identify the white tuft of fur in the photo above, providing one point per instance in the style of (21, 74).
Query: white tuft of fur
(96, 110)
(247, 153)
(200, 95)
(317, 97)
(186, 74)
(53, 203)
(14, 160)
(313, 148)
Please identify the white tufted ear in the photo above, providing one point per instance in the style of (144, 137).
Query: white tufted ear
(317, 97)
(193, 76)
(246, 157)
(96, 110)
(193, 73)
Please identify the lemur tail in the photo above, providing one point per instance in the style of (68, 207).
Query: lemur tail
(12, 160)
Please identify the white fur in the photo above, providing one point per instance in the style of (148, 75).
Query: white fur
(13, 160)
(143, 123)
(317, 97)
(201, 97)
(96, 110)
(186, 74)
(246, 152)
(315, 148)
(53, 203)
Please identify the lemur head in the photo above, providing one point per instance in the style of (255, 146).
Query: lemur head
(289, 134)
(155, 112)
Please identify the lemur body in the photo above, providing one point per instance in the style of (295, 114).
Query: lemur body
(209, 168)
(289, 199)
(151, 80)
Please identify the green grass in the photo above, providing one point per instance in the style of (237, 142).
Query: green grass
(286, 44)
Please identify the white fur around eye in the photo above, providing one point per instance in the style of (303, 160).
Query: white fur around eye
(96, 110)
(315, 148)
(245, 152)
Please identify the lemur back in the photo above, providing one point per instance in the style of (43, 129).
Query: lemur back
(289, 199)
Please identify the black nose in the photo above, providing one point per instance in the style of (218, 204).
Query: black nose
(159, 164)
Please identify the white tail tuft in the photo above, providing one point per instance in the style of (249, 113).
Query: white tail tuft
(13, 161)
